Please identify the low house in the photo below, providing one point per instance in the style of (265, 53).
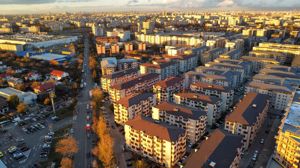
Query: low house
(58, 75)
(25, 97)
(45, 87)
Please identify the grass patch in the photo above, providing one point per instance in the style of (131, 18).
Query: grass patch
(53, 156)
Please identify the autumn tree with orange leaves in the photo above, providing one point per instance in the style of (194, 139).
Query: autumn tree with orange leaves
(66, 162)
(67, 146)
(104, 148)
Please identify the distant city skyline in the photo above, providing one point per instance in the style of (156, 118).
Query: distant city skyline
(42, 6)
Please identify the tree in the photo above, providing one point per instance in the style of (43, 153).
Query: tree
(67, 146)
(94, 74)
(21, 108)
(105, 150)
(92, 63)
(47, 101)
(98, 95)
(66, 162)
(105, 145)
(13, 101)
(35, 84)
(141, 164)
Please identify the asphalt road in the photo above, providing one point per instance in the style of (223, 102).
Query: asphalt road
(79, 120)
(265, 149)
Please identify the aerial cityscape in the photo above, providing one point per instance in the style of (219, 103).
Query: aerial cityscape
(149, 84)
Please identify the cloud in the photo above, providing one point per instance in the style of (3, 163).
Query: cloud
(227, 3)
(40, 6)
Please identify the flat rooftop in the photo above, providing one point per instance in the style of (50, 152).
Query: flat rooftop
(49, 56)
(31, 37)
(292, 121)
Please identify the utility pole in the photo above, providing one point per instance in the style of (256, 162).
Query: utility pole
(52, 96)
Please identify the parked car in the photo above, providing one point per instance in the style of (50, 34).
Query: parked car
(12, 149)
(18, 155)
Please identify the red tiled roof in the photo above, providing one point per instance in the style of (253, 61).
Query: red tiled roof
(248, 109)
(45, 86)
(208, 86)
(57, 73)
(170, 81)
(161, 130)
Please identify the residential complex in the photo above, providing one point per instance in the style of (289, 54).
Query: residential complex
(152, 83)
(118, 77)
(164, 89)
(248, 116)
(221, 150)
(138, 84)
(191, 119)
(224, 93)
(159, 142)
(210, 104)
(130, 106)
(279, 95)
(287, 150)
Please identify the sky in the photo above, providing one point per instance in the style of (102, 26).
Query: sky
(42, 6)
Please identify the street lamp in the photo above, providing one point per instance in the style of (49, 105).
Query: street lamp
(52, 96)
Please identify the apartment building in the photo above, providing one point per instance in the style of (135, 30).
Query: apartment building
(290, 51)
(244, 70)
(210, 104)
(259, 63)
(118, 77)
(287, 149)
(247, 117)
(170, 39)
(220, 150)
(191, 119)
(238, 65)
(185, 62)
(161, 143)
(280, 57)
(211, 55)
(232, 54)
(279, 95)
(219, 76)
(136, 85)
(224, 93)
(164, 89)
(215, 79)
(162, 67)
(130, 106)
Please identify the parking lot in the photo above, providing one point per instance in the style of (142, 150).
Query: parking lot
(26, 140)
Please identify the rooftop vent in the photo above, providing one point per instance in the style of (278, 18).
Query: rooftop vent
(254, 105)
(176, 109)
(212, 164)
